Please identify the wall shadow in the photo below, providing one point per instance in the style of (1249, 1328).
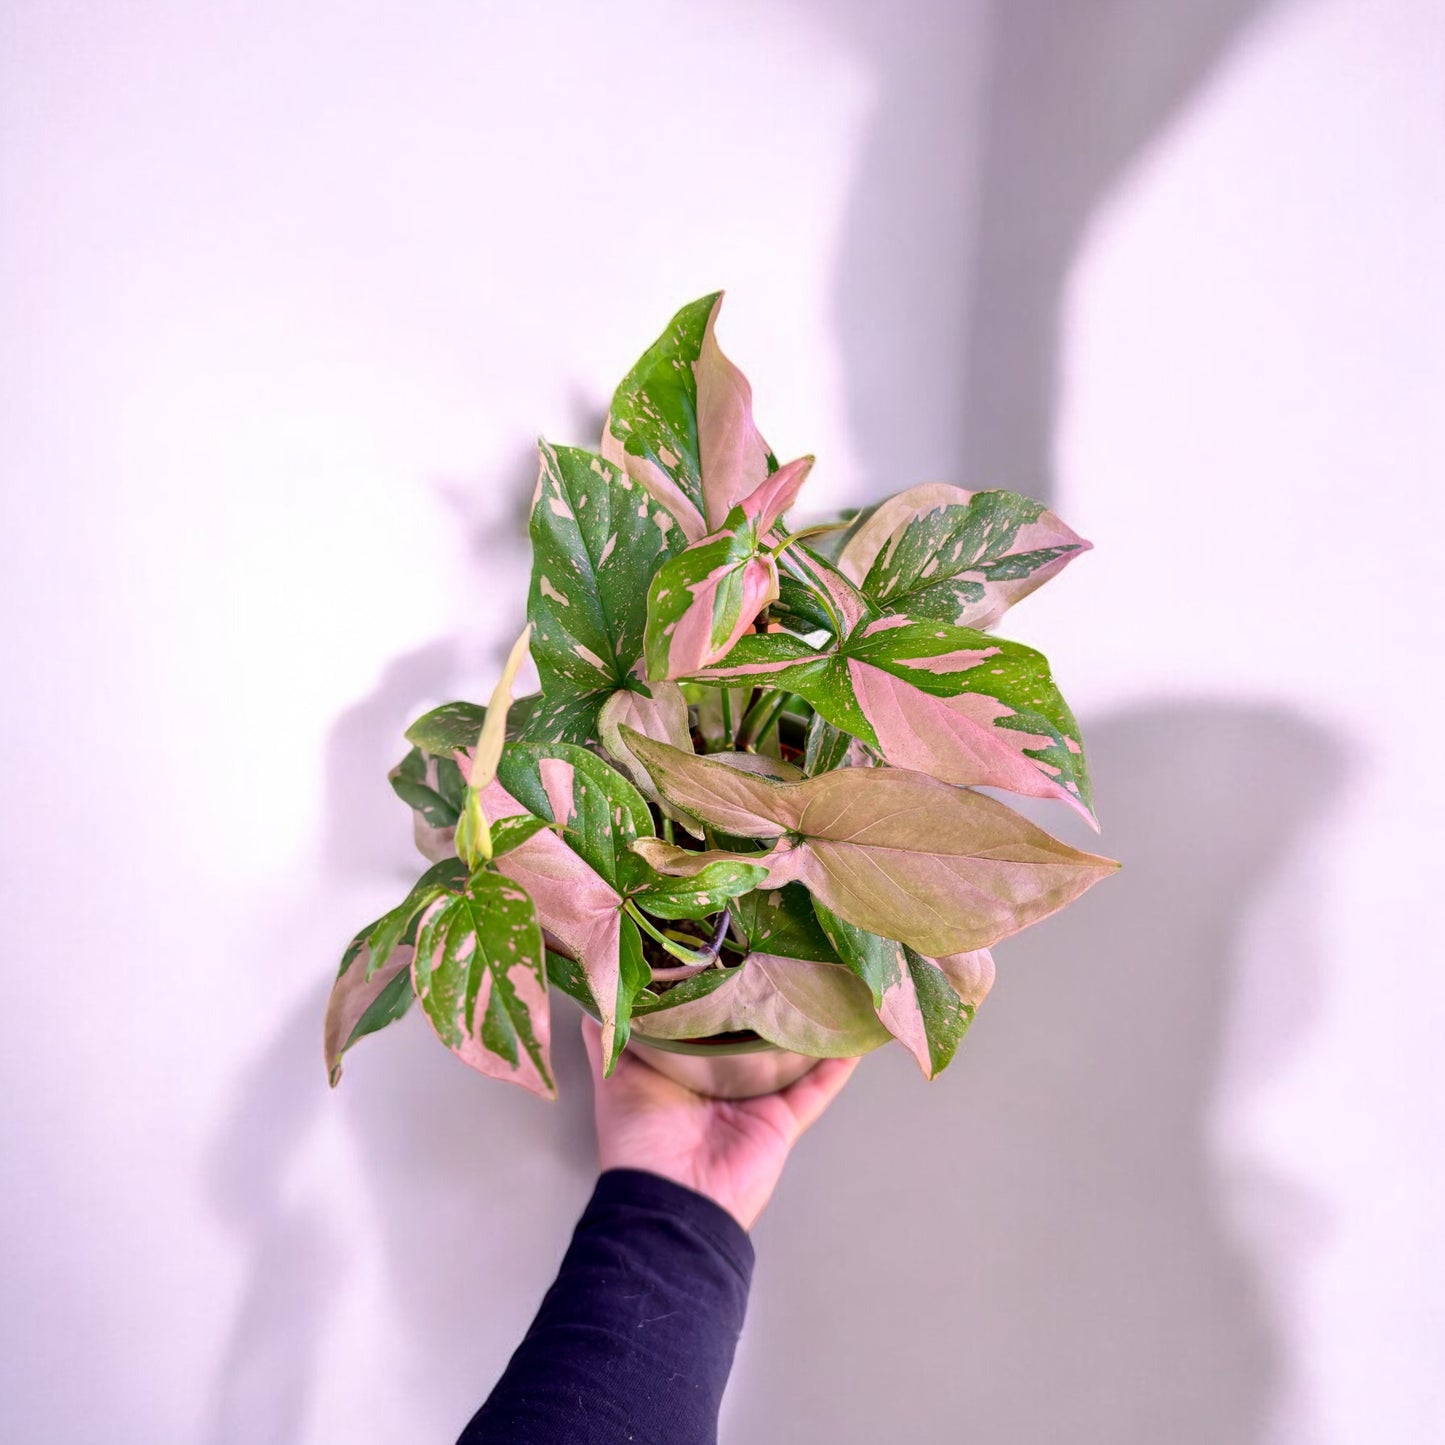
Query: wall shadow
(1037, 1247)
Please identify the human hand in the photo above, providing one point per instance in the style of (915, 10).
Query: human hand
(731, 1150)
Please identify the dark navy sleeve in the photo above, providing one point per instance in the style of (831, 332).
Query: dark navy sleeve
(635, 1340)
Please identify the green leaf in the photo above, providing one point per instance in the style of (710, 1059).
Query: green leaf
(653, 418)
(926, 1003)
(509, 833)
(827, 746)
(419, 788)
(959, 557)
(600, 813)
(681, 424)
(821, 678)
(686, 990)
(940, 868)
(704, 598)
(597, 540)
(702, 895)
(362, 999)
(783, 922)
(568, 975)
(1004, 722)
(480, 976)
(392, 927)
(451, 728)
(633, 976)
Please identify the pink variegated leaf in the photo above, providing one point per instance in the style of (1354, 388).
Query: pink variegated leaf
(961, 557)
(969, 708)
(764, 507)
(681, 424)
(364, 999)
(661, 714)
(704, 599)
(818, 1009)
(577, 907)
(927, 1004)
(479, 972)
(942, 869)
(735, 458)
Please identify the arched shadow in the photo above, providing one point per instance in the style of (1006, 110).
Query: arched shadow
(1035, 1248)
(998, 130)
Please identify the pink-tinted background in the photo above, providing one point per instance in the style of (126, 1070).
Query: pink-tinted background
(288, 290)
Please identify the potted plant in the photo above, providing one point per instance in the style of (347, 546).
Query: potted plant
(739, 823)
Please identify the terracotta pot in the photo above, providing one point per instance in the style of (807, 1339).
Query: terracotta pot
(732, 1068)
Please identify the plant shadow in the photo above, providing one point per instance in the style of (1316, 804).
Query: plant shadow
(1043, 1231)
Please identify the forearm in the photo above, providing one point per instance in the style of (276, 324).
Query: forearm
(635, 1339)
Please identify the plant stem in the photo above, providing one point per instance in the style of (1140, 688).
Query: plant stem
(767, 713)
(727, 716)
(813, 531)
(686, 955)
(810, 581)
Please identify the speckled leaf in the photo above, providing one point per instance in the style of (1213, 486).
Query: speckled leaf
(926, 1004)
(704, 599)
(703, 894)
(599, 811)
(451, 728)
(684, 991)
(782, 921)
(707, 596)
(955, 556)
(826, 747)
(819, 1009)
(578, 908)
(659, 712)
(362, 1000)
(391, 928)
(597, 540)
(943, 869)
(509, 833)
(968, 707)
(432, 787)
(777, 659)
(480, 975)
(681, 424)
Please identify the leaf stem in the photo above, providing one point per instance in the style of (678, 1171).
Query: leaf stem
(768, 712)
(815, 530)
(690, 956)
(727, 716)
(810, 581)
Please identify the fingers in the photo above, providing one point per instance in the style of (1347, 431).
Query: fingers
(592, 1041)
(817, 1089)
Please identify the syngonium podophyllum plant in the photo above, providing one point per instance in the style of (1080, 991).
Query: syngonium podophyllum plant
(744, 801)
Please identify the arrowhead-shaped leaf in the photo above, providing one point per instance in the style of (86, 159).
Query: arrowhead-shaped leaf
(966, 706)
(579, 910)
(600, 813)
(969, 708)
(942, 869)
(364, 1000)
(597, 540)
(479, 972)
(927, 1004)
(819, 1009)
(681, 424)
(704, 599)
(660, 712)
(702, 894)
(955, 556)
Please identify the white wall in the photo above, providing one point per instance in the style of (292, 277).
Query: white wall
(288, 291)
